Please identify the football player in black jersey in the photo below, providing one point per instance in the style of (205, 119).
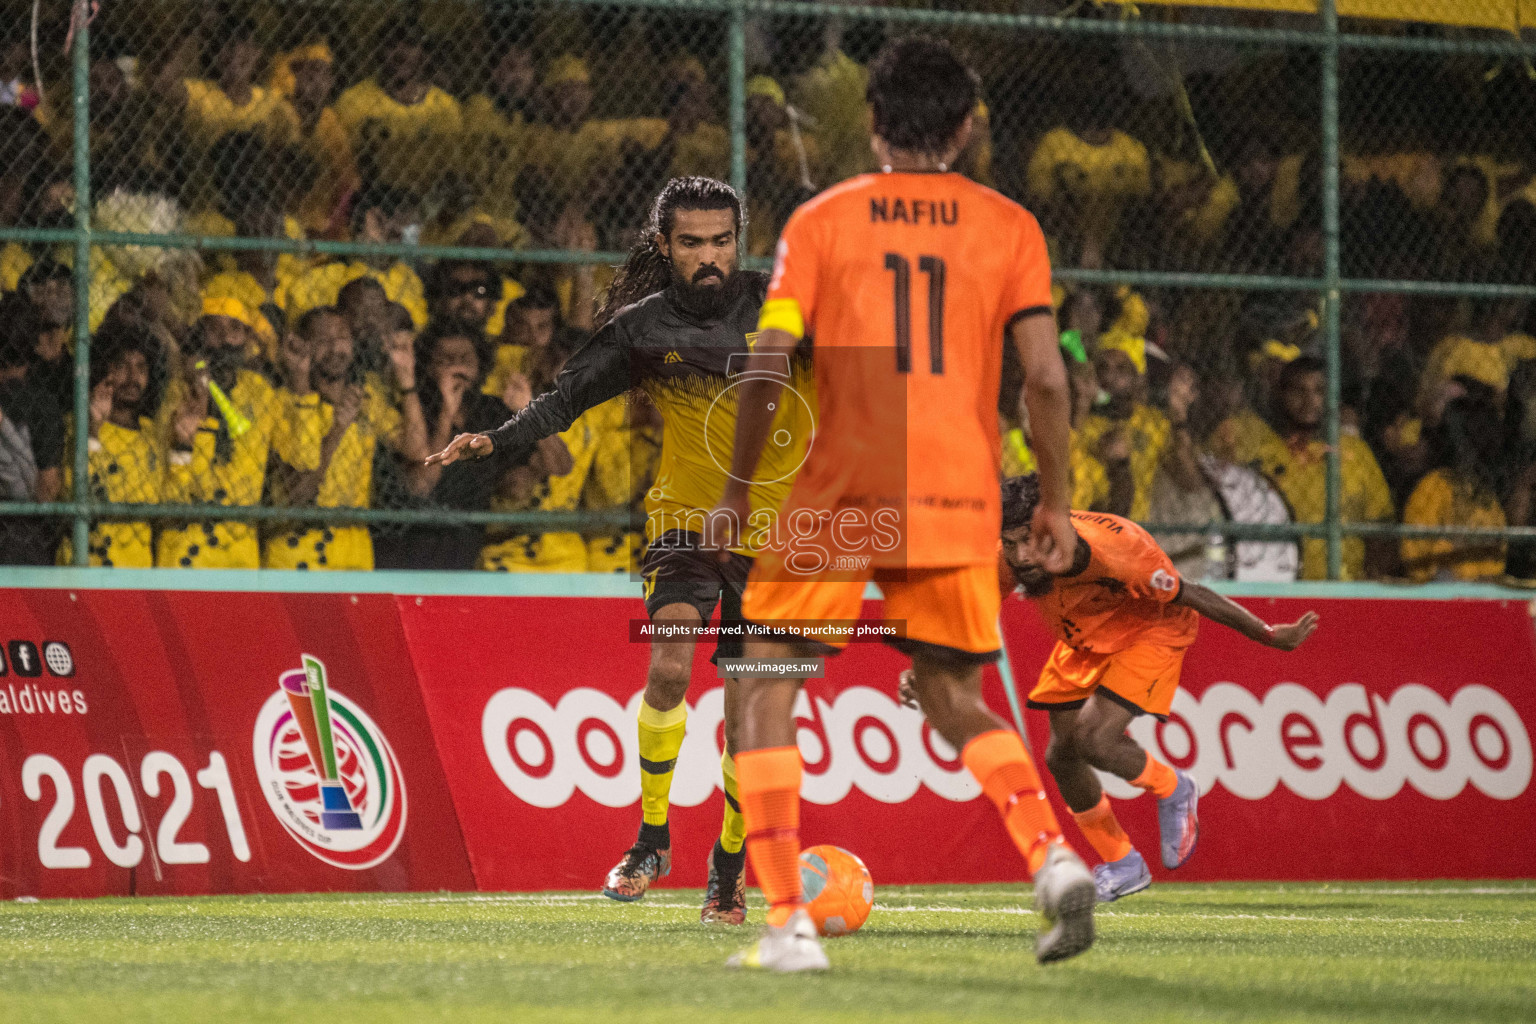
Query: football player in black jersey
(678, 312)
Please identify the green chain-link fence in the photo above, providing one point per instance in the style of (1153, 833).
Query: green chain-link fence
(1296, 260)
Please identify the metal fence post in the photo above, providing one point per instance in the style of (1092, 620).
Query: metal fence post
(80, 101)
(738, 97)
(1331, 292)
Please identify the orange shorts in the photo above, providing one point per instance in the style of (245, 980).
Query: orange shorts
(1143, 678)
(952, 608)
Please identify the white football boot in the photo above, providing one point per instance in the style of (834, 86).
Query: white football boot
(1065, 896)
(790, 947)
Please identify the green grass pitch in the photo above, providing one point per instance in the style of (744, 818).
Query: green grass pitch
(1355, 952)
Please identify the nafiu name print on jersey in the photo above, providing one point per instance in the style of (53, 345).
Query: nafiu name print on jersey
(938, 213)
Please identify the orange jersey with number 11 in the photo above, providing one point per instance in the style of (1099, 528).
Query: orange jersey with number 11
(906, 285)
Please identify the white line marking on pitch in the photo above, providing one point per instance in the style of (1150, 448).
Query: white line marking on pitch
(580, 899)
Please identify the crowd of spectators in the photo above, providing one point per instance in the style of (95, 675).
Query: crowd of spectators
(246, 376)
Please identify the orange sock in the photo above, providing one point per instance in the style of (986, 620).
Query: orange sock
(1002, 765)
(1157, 778)
(1102, 831)
(768, 784)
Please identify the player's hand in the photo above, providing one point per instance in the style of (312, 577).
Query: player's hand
(1291, 636)
(1053, 536)
(466, 447)
(722, 526)
(906, 692)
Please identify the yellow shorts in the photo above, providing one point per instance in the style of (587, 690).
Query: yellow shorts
(1143, 678)
(953, 608)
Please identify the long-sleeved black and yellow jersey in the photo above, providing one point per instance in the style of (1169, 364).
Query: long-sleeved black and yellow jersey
(688, 367)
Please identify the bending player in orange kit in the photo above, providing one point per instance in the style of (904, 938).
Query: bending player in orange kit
(1123, 619)
(908, 282)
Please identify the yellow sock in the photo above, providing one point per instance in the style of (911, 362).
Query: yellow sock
(733, 830)
(661, 737)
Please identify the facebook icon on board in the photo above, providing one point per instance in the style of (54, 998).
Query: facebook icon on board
(21, 658)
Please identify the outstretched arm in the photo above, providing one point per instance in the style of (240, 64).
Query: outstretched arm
(598, 371)
(1213, 606)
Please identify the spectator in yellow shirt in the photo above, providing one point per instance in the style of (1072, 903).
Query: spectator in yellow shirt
(380, 215)
(307, 77)
(1085, 177)
(127, 460)
(372, 317)
(220, 441)
(231, 102)
(360, 411)
(533, 323)
(1463, 490)
(497, 130)
(1126, 435)
(1488, 352)
(399, 123)
(1297, 463)
(623, 467)
(256, 277)
(780, 162)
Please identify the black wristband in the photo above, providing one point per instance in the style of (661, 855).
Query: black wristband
(408, 391)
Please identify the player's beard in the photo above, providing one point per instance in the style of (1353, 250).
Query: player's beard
(1035, 580)
(707, 301)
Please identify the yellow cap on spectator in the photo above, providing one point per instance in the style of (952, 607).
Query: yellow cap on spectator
(1482, 363)
(565, 69)
(762, 85)
(689, 67)
(224, 305)
(1134, 318)
(282, 66)
(1135, 348)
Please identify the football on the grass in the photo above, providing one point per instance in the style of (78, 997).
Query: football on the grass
(838, 890)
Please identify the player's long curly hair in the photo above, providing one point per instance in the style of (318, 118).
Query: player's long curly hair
(647, 269)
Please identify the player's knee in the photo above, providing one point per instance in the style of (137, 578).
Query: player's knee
(1062, 753)
(666, 684)
(1096, 746)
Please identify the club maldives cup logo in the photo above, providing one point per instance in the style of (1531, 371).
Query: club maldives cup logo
(328, 772)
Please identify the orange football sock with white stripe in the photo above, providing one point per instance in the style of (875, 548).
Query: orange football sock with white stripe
(1103, 831)
(1157, 779)
(768, 782)
(1001, 763)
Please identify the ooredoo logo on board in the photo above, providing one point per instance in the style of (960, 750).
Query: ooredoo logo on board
(328, 771)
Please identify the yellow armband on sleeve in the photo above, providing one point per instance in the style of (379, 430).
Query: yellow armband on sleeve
(782, 315)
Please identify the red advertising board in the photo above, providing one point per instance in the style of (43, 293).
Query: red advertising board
(533, 703)
(163, 742)
(1400, 725)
